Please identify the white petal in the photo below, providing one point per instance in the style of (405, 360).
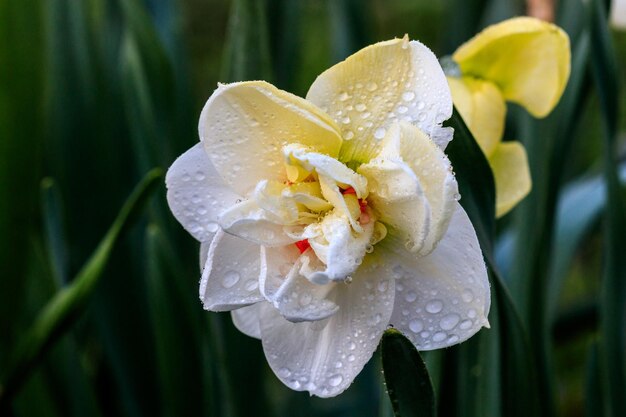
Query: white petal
(442, 299)
(397, 196)
(324, 357)
(292, 294)
(197, 194)
(231, 275)
(431, 166)
(379, 85)
(204, 253)
(250, 222)
(244, 126)
(339, 247)
(246, 320)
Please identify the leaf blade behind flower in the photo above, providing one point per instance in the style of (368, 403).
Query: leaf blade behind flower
(408, 384)
(69, 303)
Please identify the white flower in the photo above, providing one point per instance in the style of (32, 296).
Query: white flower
(324, 221)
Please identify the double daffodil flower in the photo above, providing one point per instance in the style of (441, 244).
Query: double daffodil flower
(324, 221)
(521, 60)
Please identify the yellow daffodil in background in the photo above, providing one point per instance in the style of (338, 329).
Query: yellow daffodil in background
(324, 221)
(522, 60)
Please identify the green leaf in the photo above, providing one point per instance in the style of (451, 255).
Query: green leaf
(21, 145)
(68, 304)
(247, 52)
(475, 179)
(54, 229)
(408, 383)
(612, 343)
(518, 374)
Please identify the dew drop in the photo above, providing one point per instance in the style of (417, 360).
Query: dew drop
(416, 326)
(338, 364)
(371, 86)
(348, 135)
(284, 372)
(402, 109)
(450, 321)
(186, 177)
(344, 96)
(230, 278)
(471, 313)
(439, 337)
(467, 296)
(352, 346)
(453, 339)
(380, 133)
(434, 306)
(212, 227)
(335, 380)
(200, 176)
(305, 299)
(251, 285)
(360, 107)
(421, 105)
(383, 286)
(408, 96)
(410, 297)
(465, 324)
(351, 358)
(345, 120)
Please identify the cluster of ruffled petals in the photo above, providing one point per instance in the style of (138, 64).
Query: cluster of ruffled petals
(323, 221)
(522, 60)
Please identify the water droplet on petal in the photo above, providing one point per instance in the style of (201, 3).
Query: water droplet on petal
(411, 296)
(465, 324)
(416, 326)
(284, 372)
(434, 306)
(335, 380)
(439, 337)
(230, 278)
(380, 133)
(371, 86)
(360, 107)
(251, 285)
(450, 321)
(212, 227)
(305, 299)
(348, 135)
(408, 96)
(344, 96)
(352, 346)
(467, 296)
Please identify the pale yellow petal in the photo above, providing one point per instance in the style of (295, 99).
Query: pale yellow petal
(432, 179)
(512, 175)
(483, 109)
(529, 60)
(244, 127)
(379, 85)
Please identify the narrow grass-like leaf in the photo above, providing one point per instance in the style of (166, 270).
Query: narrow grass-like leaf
(69, 303)
(612, 343)
(178, 329)
(476, 185)
(408, 383)
(21, 145)
(475, 180)
(54, 229)
(247, 52)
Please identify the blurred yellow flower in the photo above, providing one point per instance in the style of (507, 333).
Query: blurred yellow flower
(324, 221)
(523, 60)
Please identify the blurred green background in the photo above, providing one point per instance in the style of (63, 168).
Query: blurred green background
(95, 93)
